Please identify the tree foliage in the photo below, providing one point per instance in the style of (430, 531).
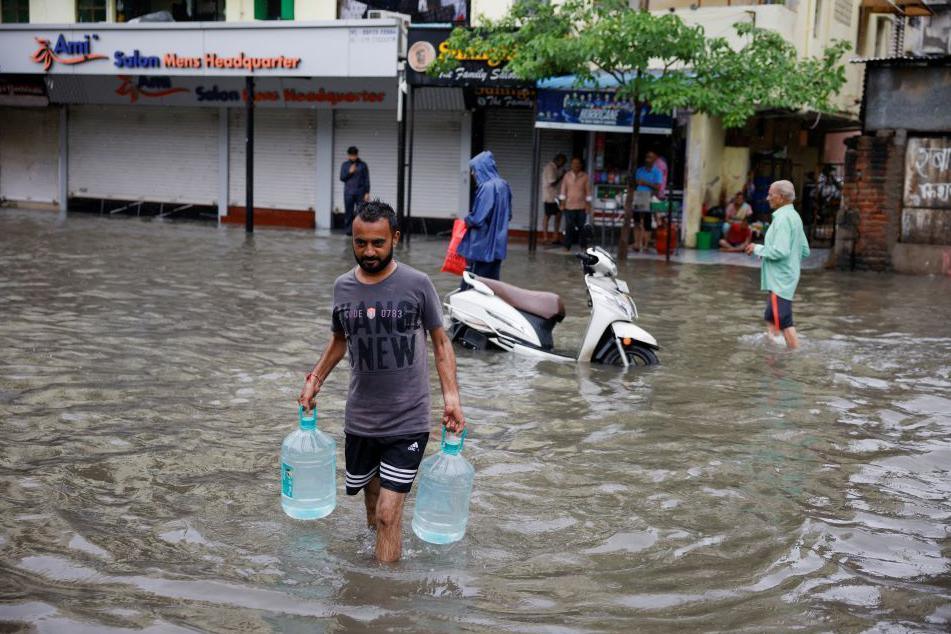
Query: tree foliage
(656, 59)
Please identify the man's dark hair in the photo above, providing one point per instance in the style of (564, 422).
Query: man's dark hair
(353, 150)
(375, 210)
(560, 156)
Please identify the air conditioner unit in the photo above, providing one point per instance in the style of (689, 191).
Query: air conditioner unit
(378, 14)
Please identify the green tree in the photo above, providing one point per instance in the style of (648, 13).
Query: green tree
(654, 59)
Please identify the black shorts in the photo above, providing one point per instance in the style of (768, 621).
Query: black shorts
(778, 311)
(552, 209)
(646, 220)
(394, 458)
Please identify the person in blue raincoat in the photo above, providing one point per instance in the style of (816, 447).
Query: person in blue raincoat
(487, 225)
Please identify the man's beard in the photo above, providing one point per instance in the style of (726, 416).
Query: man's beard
(374, 265)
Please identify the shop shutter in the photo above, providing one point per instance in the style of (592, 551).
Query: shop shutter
(29, 147)
(375, 135)
(285, 158)
(508, 134)
(144, 153)
(437, 171)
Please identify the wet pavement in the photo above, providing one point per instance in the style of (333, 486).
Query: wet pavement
(149, 373)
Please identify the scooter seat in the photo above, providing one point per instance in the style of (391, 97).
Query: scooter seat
(542, 303)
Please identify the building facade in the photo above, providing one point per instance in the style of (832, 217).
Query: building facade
(306, 119)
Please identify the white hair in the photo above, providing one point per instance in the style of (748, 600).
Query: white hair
(785, 189)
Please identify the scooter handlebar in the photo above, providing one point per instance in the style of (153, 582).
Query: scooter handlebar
(587, 260)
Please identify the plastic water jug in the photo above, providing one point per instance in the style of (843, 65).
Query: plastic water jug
(442, 503)
(308, 471)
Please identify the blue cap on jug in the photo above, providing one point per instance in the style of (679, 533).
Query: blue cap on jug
(307, 422)
(452, 443)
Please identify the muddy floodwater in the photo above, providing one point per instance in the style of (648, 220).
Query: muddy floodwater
(149, 371)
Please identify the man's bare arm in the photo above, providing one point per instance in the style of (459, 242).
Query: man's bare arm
(332, 355)
(446, 367)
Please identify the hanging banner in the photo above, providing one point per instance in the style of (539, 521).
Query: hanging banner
(597, 110)
(230, 92)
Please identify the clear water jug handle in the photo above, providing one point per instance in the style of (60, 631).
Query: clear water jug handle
(457, 447)
(307, 422)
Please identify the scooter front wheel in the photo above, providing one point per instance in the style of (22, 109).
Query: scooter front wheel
(636, 356)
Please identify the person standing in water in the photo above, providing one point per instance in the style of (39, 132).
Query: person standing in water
(382, 310)
(487, 226)
(784, 248)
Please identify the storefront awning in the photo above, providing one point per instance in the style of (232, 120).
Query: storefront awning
(601, 80)
(911, 8)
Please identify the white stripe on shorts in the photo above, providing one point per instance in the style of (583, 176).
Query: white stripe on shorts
(389, 467)
(358, 481)
(396, 477)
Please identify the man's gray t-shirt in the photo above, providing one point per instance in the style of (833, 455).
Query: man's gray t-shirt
(385, 325)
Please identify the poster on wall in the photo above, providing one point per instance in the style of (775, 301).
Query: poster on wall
(928, 172)
(598, 110)
(420, 11)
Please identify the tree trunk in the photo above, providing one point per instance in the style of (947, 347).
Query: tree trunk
(631, 184)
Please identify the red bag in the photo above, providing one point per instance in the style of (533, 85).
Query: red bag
(455, 263)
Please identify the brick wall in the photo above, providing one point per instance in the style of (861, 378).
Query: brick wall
(869, 221)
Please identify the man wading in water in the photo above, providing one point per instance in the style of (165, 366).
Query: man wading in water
(381, 312)
(784, 248)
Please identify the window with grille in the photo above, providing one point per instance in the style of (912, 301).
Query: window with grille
(91, 11)
(12, 11)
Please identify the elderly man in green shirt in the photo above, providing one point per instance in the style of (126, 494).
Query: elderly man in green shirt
(782, 252)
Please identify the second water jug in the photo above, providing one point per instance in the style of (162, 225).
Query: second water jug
(308, 470)
(442, 504)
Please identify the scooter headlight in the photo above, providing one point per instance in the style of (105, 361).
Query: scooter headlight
(623, 302)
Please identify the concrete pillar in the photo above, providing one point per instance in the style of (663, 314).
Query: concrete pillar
(325, 169)
(63, 158)
(224, 149)
(705, 139)
(465, 153)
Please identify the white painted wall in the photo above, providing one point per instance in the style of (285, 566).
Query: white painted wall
(52, 11)
(243, 10)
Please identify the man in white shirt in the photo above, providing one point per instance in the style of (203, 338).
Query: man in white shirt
(551, 185)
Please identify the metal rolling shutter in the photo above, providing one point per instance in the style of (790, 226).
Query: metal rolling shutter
(285, 158)
(437, 176)
(375, 135)
(508, 134)
(29, 147)
(144, 153)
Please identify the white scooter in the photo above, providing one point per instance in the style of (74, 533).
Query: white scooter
(499, 315)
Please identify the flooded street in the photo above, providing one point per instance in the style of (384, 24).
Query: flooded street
(149, 372)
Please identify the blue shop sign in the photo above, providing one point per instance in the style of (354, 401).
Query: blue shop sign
(598, 110)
